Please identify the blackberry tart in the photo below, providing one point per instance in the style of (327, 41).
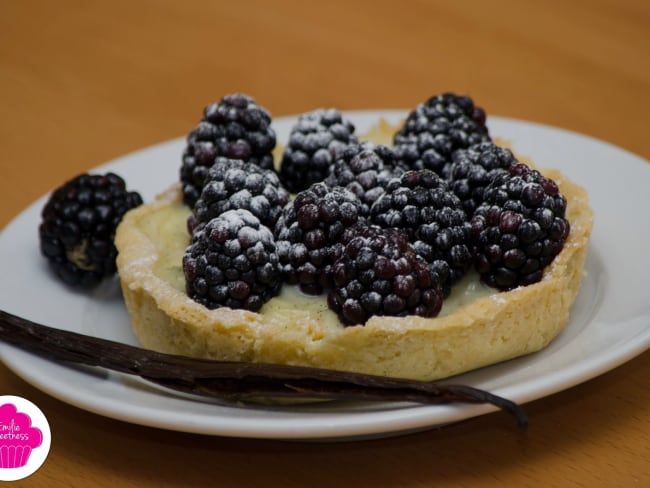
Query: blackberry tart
(477, 325)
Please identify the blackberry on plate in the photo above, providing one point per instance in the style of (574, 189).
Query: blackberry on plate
(232, 262)
(316, 140)
(365, 169)
(235, 127)
(436, 128)
(420, 204)
(308, 234)
(78, 227)
(474, 168)
(379, 273)
(519, 228)
(233, 184)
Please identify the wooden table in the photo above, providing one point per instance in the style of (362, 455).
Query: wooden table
(83, 82)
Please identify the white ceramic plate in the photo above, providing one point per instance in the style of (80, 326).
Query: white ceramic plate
(610, 322)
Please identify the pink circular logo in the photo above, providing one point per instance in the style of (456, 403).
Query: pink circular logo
(24, 438)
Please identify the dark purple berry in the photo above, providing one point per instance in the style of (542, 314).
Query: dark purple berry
(379, 273)
(438, 127)
(365, 169)
(473, 169)
(235, 127)
(232, 262)
(309, 233)
(519, 228)
(78, 227)
(420, 204)
(316, 140)
(234, 184)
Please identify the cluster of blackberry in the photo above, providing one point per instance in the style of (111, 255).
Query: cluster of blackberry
(456, 198)
(236, 197)
(232, 260)
(382, 230)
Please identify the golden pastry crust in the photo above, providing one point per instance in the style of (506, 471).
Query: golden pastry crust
(485, 331)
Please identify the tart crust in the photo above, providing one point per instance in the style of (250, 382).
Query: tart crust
(486, 331)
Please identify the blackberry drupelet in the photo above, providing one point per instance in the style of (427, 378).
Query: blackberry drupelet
(78, 227)
(235, 127)
(317, 139)
(474, 168)
(232, 262)
(365, 169)
(519, 228)
(435, 129)
(233, 184)
(379, 273)
(420, 203)
(308, 234)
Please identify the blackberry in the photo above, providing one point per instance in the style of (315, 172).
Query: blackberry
(232, 262)
(379, 273)
(474, 168)
(78, 227)
(365, 169)
(420, 203)
(233, 184)
(519, 228)
(436, 128)
(317, 139)
(234, 127)
(309, 231)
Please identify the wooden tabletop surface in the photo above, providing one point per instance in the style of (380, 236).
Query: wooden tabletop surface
(84, 82)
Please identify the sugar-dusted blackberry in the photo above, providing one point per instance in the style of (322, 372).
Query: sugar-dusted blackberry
(474, 168)
(235, 127)
(316, 140)
(308, 234)
(436, 128)
(233, 184)
(420, 203)
(232, 262)
(78, 227)
(365, 169)
(379, 273)
(519, 228)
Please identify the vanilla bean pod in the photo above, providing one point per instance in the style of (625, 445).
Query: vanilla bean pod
(235, 380)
